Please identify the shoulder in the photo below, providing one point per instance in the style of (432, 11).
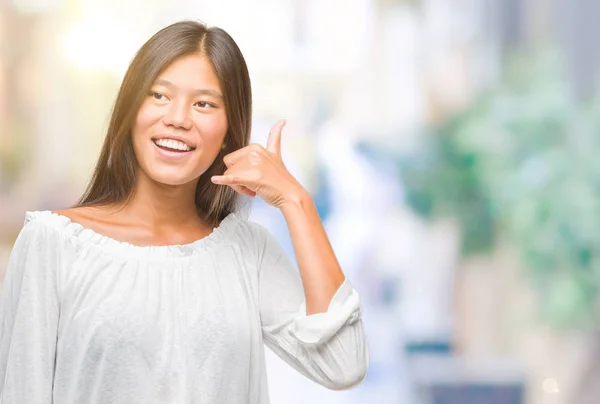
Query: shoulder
(41, 230)
(49, 221)
(245, 234)
(252, 237)
(42, 246)
(60, 222)
(242, 228)
(71, 213)
(85, 215)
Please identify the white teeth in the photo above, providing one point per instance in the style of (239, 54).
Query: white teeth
(173, 144)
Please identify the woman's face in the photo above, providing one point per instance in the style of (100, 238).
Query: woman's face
(182, 123)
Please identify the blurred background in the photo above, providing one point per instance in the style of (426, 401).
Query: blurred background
(451, 147)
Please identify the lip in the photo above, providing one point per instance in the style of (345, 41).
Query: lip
(171, 155)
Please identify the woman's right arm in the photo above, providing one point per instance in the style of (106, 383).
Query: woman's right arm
(29, 313)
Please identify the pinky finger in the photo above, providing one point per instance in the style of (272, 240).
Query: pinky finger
(228, 180)
(221, 179)
(243, 190)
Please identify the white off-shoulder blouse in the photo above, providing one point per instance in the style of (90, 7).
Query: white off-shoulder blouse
(88, 319)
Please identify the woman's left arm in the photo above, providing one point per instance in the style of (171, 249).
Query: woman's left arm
(319, 268)
(254, 170)
(306, 340)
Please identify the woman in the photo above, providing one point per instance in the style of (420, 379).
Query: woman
(153, 289)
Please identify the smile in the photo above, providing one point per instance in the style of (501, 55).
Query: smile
(168, 151)
(172, 145)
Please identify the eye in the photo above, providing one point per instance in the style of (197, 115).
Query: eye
(204, 104)
(157, 96)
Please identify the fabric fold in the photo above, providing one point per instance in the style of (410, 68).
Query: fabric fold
(315, 329)
(88, 236)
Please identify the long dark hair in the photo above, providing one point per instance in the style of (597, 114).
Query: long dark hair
(114, 177)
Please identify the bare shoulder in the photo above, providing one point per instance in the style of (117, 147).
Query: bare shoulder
(87, 216)
(75, 214)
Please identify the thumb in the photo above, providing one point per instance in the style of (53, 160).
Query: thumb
(274, 141)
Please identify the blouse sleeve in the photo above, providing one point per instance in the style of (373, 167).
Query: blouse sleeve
(330, 348)
(29, 312)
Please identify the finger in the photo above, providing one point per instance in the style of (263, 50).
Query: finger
(274, 140)
(240, 189)
(234, 182)
(237, 155)
(230, 179)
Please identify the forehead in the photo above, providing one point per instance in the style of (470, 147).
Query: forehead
(191, 72)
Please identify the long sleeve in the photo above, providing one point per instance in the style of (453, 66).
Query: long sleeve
(29, 312)
(329, 348)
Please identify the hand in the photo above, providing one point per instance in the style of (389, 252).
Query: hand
(254, 170)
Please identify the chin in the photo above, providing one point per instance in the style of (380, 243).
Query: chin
(172, 179)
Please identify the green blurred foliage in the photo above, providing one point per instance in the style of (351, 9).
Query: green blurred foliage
(13, 156)
(523, 163)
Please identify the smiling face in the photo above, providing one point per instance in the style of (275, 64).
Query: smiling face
(182, 122)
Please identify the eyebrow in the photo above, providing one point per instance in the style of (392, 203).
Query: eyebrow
(199, 91)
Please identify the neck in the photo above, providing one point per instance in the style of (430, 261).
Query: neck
(162, 206)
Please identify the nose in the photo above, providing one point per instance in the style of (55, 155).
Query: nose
(178, 116)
